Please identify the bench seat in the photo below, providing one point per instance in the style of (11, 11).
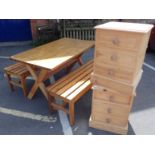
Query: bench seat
(21, 72)
(70, 88)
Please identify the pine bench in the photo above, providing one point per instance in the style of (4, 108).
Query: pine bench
(20, 71)
(70, 88)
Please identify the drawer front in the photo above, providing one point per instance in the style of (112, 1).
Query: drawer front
(118, 39)
(113, 84)
(108, 119)
(103, 107)
(114, 57)
(120, 87)
(112, 97)
(114, 72)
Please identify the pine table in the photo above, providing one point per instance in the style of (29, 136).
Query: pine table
(50, 58)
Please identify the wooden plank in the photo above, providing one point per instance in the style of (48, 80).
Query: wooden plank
(57, 107)
(18, 70)
(68, 79)
(79, 70)
(21, 70)
(80, 91)
(65, 65)
(72, 74)
(9, 79)
(73, 81)
(58, 96)
(80, 61)
(15, 68)
(54, 54)
(12, 66)
(72, 87)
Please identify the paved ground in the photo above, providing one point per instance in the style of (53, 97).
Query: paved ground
(18, 115)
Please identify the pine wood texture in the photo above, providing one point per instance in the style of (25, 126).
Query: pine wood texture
(102, 94)
(39, 78)
(108, 127)
(21, 72)
(116, 85)
(54, 54)
(119, 54)
(121, 46)
(70, 88)
(51, 58)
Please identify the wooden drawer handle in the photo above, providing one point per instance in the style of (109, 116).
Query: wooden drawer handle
(115, 41)
(109, 110)
(111, 98)
(111, 72)
(108, 120)
(104, 90)
(114, 57)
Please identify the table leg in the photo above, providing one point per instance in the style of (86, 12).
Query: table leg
(68, 69)
(77, 60)
(38, 81)
(80, 61)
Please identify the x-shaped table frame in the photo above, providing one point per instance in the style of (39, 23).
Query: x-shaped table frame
(43, 74)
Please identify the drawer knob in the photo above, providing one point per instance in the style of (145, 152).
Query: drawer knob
(114, 57)
(111, 72)
(108, 120)
(115, 41)
(104, 90)
(109, 110)
(111, 98)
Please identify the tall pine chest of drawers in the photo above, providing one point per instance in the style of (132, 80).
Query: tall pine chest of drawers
(119, 54)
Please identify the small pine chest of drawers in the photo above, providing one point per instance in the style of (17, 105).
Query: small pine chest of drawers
(120, 50)
(119, 54)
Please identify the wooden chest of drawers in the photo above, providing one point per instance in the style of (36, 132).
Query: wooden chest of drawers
(119, 54)
(110, 107)
(120, 49)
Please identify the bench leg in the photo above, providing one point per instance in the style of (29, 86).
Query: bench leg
(23, 85)
(80, 61)
(9, 82)
(50, 101)
(71, 113)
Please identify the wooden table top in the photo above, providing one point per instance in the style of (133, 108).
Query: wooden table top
(54, 54)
